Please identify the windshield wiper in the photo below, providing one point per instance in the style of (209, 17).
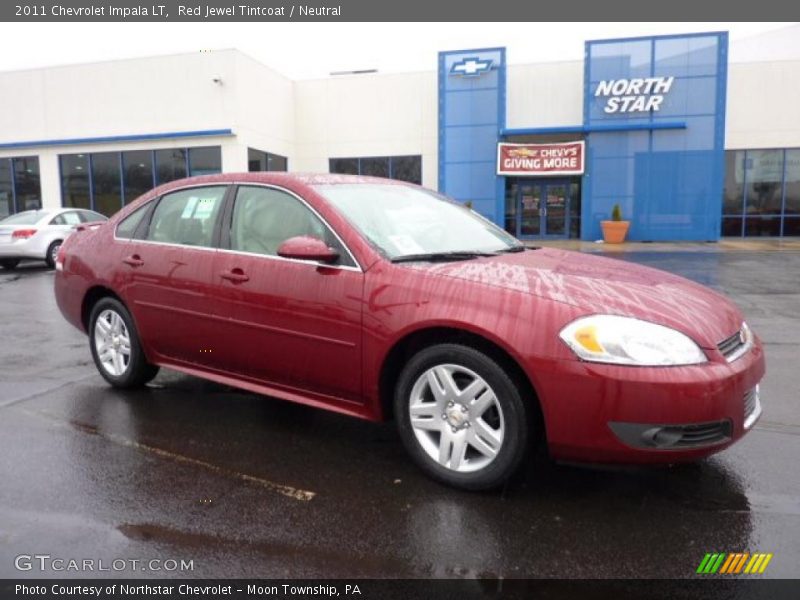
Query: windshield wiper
(441, 256)
(511, 249)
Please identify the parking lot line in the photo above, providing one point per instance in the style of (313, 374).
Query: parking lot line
(285, 490)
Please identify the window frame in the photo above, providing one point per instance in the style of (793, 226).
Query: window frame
(227, 223)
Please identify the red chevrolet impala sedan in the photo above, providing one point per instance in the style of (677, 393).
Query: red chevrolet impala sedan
(380, 299)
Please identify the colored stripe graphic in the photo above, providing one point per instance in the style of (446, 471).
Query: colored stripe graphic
(703, 563)
(727, 564)
(764, 564)
(718, 563)
(733, 563)
(740, 565)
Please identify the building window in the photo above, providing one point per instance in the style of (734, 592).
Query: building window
(171, 164)
(265, 161)
(20, 187)
(761, 196)
(106, 181)
(75, 181)
(404, 168)
(205, 161)
(137, 168)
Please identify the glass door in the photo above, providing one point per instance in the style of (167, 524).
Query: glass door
(543, 209)
(556, 201)
(530, 210)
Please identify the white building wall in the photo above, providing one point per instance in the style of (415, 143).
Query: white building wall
(264, 116)
(544, 94)
(762, 103)
(123, 97)
(367, 115)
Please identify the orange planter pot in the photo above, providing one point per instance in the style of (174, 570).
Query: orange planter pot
(614, 232)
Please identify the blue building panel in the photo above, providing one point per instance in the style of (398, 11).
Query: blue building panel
(471, 115)
(667, 181)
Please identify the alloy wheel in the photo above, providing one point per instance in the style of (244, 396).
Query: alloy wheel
(456, 418)
(112, 342)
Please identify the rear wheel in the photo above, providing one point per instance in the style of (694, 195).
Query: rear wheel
(115, 346)
(52, 254)
(461, 417)
(9, 263)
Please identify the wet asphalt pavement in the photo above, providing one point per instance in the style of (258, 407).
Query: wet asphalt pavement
(247, 486)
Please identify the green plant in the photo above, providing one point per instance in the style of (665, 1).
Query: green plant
(616, 213)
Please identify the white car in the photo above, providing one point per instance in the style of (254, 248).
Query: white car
(37, 234)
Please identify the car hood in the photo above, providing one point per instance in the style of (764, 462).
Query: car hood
(601, 285)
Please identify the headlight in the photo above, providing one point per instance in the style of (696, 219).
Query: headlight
(628, 341)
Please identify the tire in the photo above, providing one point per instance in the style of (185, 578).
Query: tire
(120, 370)
(9, 264)
(52, 252)
(468, 440)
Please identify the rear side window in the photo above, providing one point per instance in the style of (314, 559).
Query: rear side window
(187, 217)
(67, 218)
(127, 227)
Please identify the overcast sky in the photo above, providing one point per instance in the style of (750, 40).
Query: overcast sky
(309, 50)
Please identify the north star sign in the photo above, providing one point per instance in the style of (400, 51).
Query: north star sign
(633, 95)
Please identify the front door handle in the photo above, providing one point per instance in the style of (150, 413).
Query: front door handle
(235, 276)
(133, 260)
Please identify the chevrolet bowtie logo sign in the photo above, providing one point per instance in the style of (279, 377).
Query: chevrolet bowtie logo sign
(471, 67)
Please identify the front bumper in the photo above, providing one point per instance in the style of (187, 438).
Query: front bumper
(607, 413)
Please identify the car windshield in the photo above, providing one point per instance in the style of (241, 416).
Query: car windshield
(29, 217)
(405, 221)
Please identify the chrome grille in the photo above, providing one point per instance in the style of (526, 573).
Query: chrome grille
(752, 406)
(730, 346)
(749, 403)
(736, 345)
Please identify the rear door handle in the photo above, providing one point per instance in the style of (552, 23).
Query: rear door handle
(134, 261)
(235, 276)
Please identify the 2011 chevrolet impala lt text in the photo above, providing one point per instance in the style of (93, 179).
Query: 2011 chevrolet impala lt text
(381, 299)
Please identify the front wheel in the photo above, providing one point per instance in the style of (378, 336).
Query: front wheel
(461, 417)
(115, 346)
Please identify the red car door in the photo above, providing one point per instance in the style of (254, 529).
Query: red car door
(166, 274)
(293, 323)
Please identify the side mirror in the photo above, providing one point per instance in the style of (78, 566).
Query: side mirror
(303, 247)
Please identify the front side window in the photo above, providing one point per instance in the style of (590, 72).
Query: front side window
(403, 221)
(187, 217)
(264, 218)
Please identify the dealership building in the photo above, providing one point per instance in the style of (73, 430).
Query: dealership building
(693, 137)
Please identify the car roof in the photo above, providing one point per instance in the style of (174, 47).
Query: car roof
(289, 180)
